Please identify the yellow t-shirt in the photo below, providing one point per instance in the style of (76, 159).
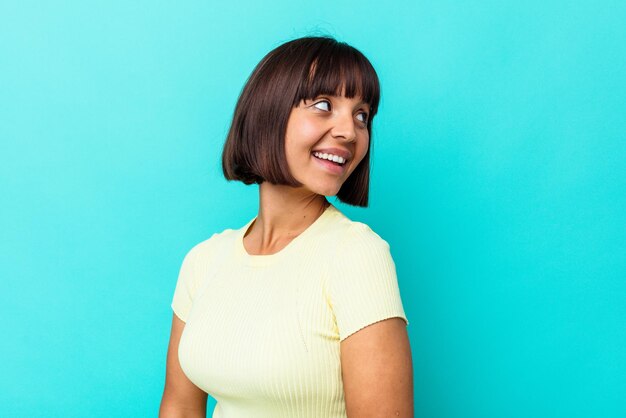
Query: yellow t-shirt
(262, 332)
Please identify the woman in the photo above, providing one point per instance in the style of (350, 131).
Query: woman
(298, 312)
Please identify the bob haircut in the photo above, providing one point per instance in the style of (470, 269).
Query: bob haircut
(301, 69)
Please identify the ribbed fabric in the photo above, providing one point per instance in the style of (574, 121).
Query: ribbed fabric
(263, 332)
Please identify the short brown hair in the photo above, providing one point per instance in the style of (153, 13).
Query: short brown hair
(301, 69)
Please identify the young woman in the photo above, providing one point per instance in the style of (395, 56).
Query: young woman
(298, 312)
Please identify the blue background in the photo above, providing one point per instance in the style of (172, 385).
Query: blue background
(499, 180)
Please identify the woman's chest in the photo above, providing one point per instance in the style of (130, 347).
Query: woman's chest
(251, 332)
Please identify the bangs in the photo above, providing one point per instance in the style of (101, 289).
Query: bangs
(335, 68)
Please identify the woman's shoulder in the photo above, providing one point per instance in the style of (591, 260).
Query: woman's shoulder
(356, 234)
(358, 252)
(209, 245)
(365, 240)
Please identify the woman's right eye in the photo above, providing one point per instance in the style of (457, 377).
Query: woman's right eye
(323, 102)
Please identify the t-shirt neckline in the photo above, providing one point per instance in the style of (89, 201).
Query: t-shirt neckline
(266, 259)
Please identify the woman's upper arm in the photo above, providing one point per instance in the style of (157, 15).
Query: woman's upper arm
(181, 398)
(377, 371)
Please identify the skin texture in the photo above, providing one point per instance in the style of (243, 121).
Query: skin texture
(375, 361)
(377, 371)
(181, 398)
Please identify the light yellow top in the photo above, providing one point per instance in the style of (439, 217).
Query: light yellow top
(262, 332)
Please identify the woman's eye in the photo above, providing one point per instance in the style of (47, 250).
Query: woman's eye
(364, 120)
(323, 102)
(325, 105)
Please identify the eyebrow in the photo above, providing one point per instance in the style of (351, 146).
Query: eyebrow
(369, 107)
(362, 102)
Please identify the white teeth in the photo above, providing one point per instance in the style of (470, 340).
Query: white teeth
(330, 157)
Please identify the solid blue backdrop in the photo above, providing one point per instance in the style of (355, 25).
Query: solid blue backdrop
(499, 181)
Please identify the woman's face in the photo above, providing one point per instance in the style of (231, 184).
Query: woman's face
(331, 127)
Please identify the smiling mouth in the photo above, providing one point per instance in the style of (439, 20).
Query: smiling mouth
(333, 159)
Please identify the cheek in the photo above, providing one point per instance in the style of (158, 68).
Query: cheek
(309, 132)
(364, 146)
(303, 131)
(361, 151)
(298, 143)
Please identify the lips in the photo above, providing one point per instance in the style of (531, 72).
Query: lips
(330, 166)
(345, 154)
(330, 157)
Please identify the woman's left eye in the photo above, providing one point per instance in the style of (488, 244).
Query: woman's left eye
(364, 120)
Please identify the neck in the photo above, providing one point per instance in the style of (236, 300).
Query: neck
(284, 212)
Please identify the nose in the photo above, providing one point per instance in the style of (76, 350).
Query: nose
(344, 127)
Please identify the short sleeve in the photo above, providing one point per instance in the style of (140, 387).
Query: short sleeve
(189, 277)
(363, 286)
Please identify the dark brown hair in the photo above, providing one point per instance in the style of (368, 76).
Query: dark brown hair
(301, 69)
